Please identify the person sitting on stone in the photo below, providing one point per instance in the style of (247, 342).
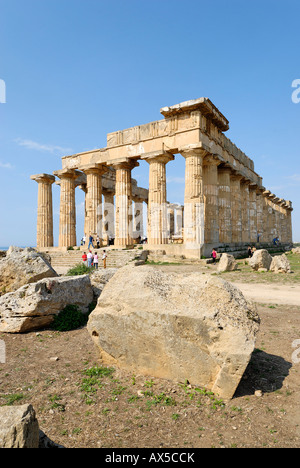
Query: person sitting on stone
(214, 255)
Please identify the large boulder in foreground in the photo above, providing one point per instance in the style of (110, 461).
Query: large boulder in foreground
(19, 427)
(260, 259)
(176, 326)
(23, 266)
(34, 306)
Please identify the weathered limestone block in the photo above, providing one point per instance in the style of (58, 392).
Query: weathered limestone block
(175, 326)
(227, 263)
(280, 264)
(34, 306)
(261, 259)
(23, 266)
(296, 250)
(19, 427)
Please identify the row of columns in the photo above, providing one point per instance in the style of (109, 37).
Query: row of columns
(221, 206)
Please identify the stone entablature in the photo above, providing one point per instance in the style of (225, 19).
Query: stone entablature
(225, 200)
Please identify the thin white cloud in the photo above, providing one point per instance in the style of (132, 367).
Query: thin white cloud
(177, 180)
(295, 177)
(6, 165)
(33, 145)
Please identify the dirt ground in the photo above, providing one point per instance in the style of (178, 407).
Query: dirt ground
(79, 404)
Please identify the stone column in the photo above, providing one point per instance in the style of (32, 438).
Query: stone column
(157, 230)
(67, 218)
(211, 200)
(253, 213)
(283, 226)
(123, 199)
(194, 197)
(289, 221)
(171, 219)
(138, 218)
(236, 208)
(179, 220)
(108, 216)
(44, 210)
(245, 211)
(272, 211)
(225, 226)
(94, 173)
(83, 187)
(268, 217)
(260, 220)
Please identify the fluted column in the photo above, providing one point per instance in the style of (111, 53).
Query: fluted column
(157, 230)
(245, 211)
(225, 227)
(260, 220)
(67, 218)
(283, 225)
(83, 187)
(289, 221)
(108, 216)
(94, 175)
(179, 220)
(138, 218)
(253, 213)
(236, 208)
(193, 197)
(44, 210)
(211, 200)
(268, 217)
(123, 199)
(171, 219)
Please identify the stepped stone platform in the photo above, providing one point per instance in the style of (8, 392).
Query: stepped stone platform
(62, 260)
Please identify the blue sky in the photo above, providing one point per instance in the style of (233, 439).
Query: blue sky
(77, 70)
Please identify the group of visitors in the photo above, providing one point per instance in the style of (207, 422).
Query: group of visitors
(92, 260)
(251, 251)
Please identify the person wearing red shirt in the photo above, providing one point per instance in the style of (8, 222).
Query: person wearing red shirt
(84, 259)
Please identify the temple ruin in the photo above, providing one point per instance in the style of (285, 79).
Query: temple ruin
(225, 202)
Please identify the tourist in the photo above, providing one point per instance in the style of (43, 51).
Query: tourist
(96, 261)
(250, 253)
(98, 242)
(91, 240)
(104, 257)
(84, 259)
(90, 259)
(214, 255)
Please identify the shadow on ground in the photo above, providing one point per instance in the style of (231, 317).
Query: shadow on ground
(265, 372)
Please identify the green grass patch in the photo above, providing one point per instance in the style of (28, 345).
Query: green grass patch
(70, 318)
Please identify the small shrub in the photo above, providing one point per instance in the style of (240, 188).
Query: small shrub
(79, 269)
(69, 318)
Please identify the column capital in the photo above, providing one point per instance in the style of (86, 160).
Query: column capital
(159, 156)
(194, 149)
(225, 169)
(211, 160)
(45, 178)
(67, 174)
(124, 163)
(260, 190)
(253, 186)
(94, 169)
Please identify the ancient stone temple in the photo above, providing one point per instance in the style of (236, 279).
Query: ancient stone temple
(225, 202)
